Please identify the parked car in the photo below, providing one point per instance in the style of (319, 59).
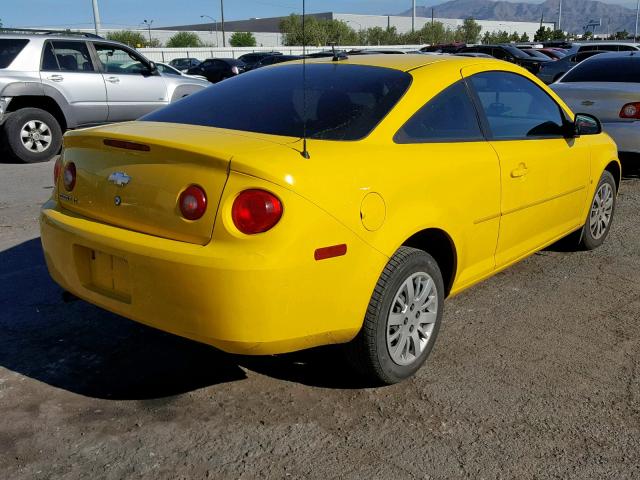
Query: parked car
(606, 46)
(536, 53)
(444, 48)
(608, 87)
(215, 219)
(52, 82)
(472, 54)
(184, 64)
(553, 53)
(217, 69)
(165, 69)
(274, 59)
(251, 59)
(509, 53)
(551, 72)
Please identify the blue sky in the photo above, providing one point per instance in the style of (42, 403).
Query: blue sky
(123, 13)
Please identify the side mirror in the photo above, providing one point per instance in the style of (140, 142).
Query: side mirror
(585, 124)
(153, 67)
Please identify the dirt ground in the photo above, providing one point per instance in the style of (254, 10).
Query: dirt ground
(535, 375)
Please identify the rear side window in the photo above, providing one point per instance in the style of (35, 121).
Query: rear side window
(516, 108)
(66, 57)
(449, 116)
(612, 69)
(9, 50)
(343, 102)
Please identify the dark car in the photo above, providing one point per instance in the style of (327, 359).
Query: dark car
(184, 63)
(552, 71)
(444, 48)
(216, 69)
(553, 53)
(251, 59)
(273, 59)
(533, 53)
(511, 54)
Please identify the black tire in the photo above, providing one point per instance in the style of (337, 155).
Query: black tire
(13, 128)
(369, 352)
(590, 240)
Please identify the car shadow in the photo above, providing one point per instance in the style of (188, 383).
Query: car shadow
(83, 349)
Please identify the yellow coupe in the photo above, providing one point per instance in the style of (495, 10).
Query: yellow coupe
(418, 176)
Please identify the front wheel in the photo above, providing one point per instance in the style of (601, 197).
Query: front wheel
(601, 213)
(402, 320)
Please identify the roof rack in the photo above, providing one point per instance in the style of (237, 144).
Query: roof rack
(49, 32)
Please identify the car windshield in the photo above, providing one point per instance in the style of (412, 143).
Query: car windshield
(9, 50)
(343, 102)
(606, 69)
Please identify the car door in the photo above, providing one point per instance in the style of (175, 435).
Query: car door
(132, 89)
(448, 161)
(544, 174)
(67, 68)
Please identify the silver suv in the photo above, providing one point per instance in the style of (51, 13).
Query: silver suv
(53, 82)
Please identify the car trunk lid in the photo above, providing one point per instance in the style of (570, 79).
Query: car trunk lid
(131, 175)
(601, 99)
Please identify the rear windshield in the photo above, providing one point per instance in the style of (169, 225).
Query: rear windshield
(343, 102)
(613, 69)
(9, 50)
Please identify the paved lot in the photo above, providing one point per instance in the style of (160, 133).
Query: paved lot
(535, 375)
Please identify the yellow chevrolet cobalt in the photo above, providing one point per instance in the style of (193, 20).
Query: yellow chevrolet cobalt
(283, 209)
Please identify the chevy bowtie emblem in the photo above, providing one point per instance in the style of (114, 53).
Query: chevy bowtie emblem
(588, 103)
(119, 178)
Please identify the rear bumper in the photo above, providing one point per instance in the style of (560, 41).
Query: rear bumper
(625, 134)
(222, 294)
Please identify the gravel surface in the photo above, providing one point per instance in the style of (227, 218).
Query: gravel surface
(535, 375)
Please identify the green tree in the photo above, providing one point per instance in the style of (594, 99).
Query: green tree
(514, 37)
(558, 35)
(543, 34)
(183, 40)
(623, 35)
(128, 37)
(524, 37)
(587, 35)
(242, 39)
(318, 32)
(469, 31)
(434, 33)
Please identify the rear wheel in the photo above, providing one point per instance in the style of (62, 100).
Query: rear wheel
(33, 135)
(402, 320)
(601, 213)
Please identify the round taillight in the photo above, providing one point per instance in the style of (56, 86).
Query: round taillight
(57, 167)
(69, 176)
(193, 202)
(630, 110)
(256, 211)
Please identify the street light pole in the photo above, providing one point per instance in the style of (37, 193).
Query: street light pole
(96, 17)
(635, 35)
(224, 38)
(215, 26)
(148, 24)
(413, 16)
(560, 16)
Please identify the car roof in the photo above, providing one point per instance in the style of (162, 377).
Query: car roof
(405, 63)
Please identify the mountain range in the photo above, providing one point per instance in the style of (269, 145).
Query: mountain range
(575, 13)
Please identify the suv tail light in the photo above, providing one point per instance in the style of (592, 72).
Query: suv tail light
(193, 202)
(57, 168)
(69, 176)
(631, 110)
(256, 211)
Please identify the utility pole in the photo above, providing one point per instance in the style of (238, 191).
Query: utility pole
(560, 16)
(413, 16)
(224, 38)
(96, 17)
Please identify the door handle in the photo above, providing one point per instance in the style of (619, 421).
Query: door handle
(56, 78)
(521, 171)
(113, 80)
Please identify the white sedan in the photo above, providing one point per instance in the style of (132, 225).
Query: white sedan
(607, 86)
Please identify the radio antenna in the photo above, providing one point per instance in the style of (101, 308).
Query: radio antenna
(304, 152)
